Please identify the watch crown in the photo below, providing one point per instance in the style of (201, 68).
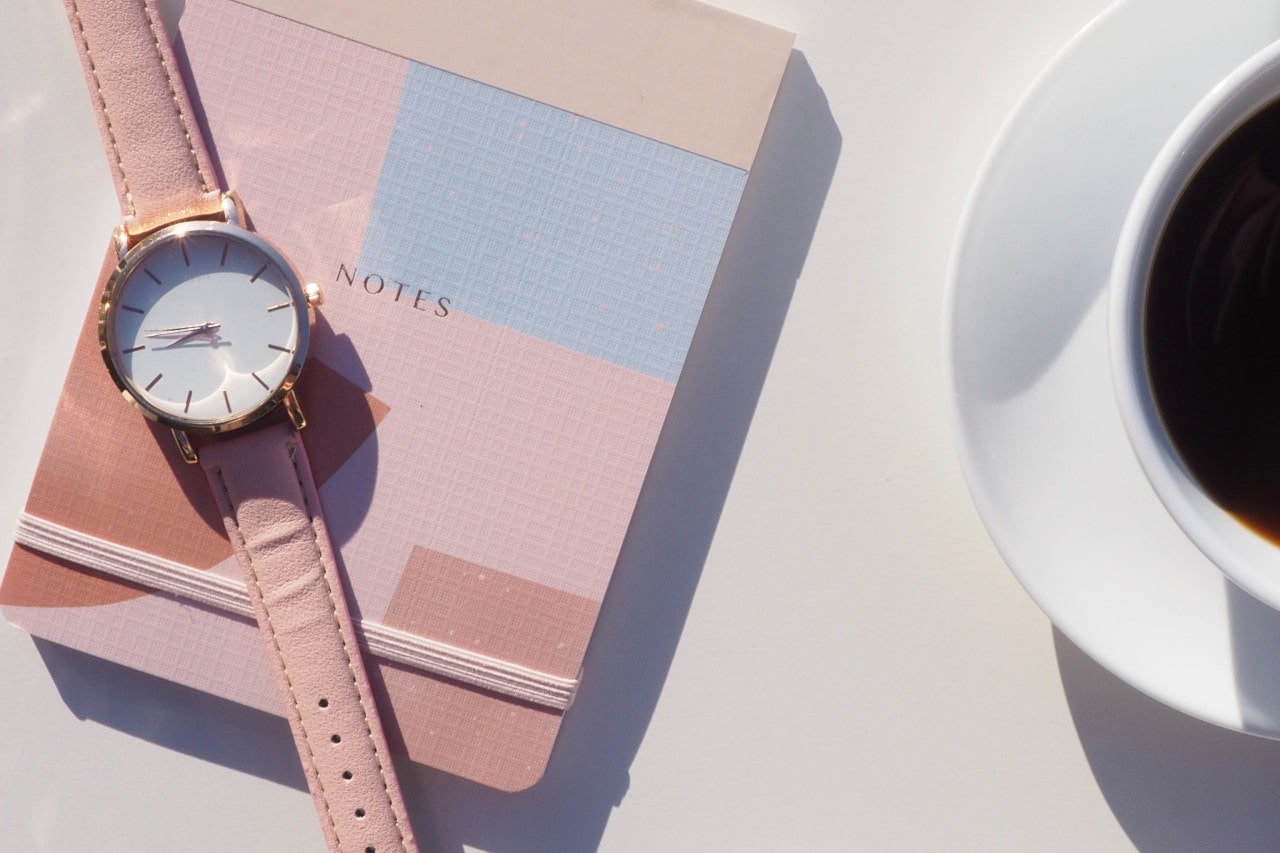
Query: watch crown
(315, 296)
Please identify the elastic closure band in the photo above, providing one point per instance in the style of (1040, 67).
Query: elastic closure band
(202, 587)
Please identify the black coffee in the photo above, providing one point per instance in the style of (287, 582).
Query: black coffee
(1213, 324)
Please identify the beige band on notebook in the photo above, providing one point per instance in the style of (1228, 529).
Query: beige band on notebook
(704, 83)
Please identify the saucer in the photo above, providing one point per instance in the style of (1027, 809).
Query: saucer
(1040, 438)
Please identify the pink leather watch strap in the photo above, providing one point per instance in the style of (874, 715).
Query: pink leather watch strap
(260, 478)
(157, 153)
(263, 485)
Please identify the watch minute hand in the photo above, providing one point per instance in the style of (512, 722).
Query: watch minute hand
(185, 333)
(170, 331)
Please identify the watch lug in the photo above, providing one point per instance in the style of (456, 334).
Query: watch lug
(184, 447)
(232, 209)
(294, 408)
(120, 239)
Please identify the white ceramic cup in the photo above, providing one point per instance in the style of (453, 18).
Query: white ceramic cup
(1250, 560)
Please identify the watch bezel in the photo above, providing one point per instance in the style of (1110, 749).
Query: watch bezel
(157, 240)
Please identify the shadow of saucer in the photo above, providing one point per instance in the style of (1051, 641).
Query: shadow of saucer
(1174, 783)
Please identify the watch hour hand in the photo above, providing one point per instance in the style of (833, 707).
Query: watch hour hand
(194, 333)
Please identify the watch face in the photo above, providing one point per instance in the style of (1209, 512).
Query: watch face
(204, 326)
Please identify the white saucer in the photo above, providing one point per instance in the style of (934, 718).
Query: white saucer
(1041, 441)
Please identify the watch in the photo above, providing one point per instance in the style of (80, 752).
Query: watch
(204, 326)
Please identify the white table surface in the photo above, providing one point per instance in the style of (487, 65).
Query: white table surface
(829, 654)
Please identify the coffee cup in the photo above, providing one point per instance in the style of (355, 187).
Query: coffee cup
(1195, 325)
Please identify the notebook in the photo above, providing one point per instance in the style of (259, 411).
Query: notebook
(515, 210)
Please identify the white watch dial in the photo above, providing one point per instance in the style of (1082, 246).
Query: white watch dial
(205, 326)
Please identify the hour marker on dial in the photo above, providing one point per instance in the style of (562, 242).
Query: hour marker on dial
(281, 349)
(152, 276)
(153, 382)
(135, 349)
(260, 271)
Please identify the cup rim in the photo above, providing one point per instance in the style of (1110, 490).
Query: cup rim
(1243, 555)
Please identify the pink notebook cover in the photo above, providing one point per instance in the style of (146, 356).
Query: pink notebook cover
(515, 253)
